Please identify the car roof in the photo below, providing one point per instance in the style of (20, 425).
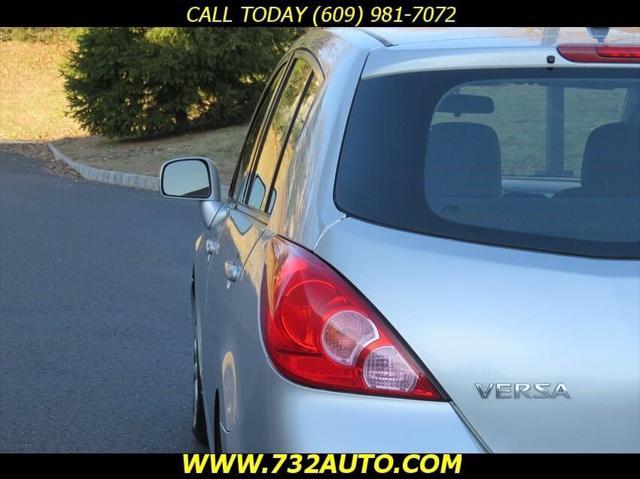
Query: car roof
(466, 37)
(410, 48)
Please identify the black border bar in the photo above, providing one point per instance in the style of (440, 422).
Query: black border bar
(161, 466)
(174, 12)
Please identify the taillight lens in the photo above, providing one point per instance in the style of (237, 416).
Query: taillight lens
(600, 53)
(319, 331)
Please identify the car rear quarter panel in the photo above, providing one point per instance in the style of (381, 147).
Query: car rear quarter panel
(485, 314)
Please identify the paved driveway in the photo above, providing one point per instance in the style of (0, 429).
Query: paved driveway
(95, 334)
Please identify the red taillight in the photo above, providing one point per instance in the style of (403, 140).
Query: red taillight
(600, 53)
(319, 331)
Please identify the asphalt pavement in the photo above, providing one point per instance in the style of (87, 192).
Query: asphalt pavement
(95, 334)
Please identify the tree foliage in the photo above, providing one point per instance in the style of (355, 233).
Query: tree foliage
(137, 82)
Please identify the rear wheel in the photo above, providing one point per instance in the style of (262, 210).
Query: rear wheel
(199, 425)
(217, 446)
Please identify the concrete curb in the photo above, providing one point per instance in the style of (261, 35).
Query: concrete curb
(107, 176)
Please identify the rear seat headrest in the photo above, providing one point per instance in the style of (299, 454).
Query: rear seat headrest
(463, 159)
(611, 162)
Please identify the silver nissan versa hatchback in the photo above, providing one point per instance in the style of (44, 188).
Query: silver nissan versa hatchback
(431, 243)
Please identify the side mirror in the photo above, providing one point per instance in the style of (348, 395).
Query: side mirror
(189, 178)
(193, 179)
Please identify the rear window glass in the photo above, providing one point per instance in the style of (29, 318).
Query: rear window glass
(545, 159)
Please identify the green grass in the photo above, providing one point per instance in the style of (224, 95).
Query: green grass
(145, 157)
(39, 34)
(32, 101)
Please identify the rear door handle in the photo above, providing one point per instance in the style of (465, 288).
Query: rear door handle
(231, 270)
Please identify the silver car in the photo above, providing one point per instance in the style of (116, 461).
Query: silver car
(431, 243)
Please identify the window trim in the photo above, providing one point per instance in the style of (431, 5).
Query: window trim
(263, 133)
(305, 89)
(284, 64)
(252, 212)
(288, 63)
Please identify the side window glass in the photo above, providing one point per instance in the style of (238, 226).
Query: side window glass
(298, 125)
(258, 190)
(277, 133)
(251, 142)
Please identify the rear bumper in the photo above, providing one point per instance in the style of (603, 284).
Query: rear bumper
(293, 418)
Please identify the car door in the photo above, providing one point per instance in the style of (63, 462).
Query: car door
(228, 238)
(232, 295)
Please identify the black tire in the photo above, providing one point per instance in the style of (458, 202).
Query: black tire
(217, 445)
(199, 425)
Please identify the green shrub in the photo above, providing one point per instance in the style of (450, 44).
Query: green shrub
(137, 82)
